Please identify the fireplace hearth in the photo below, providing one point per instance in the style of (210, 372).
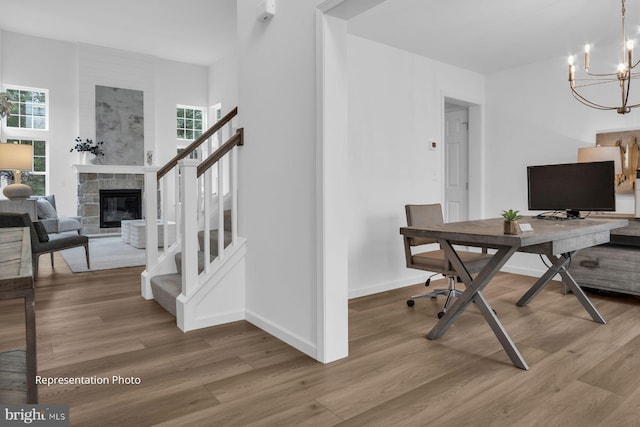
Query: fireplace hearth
(119, 205)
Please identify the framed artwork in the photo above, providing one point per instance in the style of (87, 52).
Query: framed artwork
(120, 125)
(627, 140)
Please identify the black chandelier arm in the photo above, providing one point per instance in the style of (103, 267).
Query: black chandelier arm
(588, 103)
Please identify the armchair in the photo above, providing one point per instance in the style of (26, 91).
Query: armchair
(48, 216)
(41, 242)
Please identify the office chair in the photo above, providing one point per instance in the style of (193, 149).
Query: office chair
(436, 261)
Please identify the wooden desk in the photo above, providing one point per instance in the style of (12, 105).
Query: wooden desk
(16, 281)
(557, 240)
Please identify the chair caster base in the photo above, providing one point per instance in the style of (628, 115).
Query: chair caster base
(440, 314)
(410, 302)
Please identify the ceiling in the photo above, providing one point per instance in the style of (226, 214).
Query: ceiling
(191, 31)
(482, 36)
(491, 35)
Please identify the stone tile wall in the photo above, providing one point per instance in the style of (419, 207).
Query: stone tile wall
(89, 186)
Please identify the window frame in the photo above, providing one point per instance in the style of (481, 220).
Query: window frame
(47, 102)
(203, 120)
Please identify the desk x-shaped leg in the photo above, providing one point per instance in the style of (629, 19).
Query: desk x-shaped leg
(558, 266)
(473, 292)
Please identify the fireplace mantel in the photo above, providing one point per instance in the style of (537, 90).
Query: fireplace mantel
(109, 169)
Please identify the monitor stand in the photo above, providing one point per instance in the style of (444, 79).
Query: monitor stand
(558, 215)
(571, 214)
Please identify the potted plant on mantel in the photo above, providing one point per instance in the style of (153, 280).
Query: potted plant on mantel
(86, 148)
(511, 218)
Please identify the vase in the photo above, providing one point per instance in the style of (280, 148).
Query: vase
(511, 227)
(86, 157)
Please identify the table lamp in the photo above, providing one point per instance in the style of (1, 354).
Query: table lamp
(16, 157)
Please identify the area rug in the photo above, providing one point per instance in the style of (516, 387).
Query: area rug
(105, 253)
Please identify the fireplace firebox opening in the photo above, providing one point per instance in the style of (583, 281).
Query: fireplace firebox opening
(118, 205)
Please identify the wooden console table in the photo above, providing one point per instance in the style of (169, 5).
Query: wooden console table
(20, 205)
(16, 281)
(557, 240)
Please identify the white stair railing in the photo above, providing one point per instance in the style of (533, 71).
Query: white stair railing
(177, 192)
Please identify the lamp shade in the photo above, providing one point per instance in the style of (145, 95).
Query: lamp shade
(602, 154)
(16, 157)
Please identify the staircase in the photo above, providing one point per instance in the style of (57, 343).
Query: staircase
(167, 287)
(198, 280)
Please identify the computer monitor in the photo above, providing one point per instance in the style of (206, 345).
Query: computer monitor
(572, 187)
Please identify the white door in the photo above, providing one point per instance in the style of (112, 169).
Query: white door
(456, 179)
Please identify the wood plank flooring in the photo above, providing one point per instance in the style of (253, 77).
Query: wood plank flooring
(97, 325)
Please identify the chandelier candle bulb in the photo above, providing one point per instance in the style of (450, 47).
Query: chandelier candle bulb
(587, 49)
(571, 69)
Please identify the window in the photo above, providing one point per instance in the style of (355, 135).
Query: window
(36, 179)
(30, 108)
(193, 155)
(190, 122)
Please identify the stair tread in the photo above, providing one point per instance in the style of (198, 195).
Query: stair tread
(166, 288)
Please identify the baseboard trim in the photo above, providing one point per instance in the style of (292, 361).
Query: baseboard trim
(524, 271)
(389, 286)
(397, 284)
(215, 320)
(299, 343)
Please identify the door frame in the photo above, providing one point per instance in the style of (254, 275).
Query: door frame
(477, 149)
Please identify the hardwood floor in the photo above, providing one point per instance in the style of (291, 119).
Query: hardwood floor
(97, 325)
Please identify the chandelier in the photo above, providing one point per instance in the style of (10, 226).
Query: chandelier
(622, 76)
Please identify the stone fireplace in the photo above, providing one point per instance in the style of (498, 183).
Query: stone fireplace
(89, 194)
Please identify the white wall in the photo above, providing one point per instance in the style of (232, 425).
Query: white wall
(101, 66)
(176, 83)
(71, 71)
(395, 109)
(276, 88)
(532, 119)
(223, 83)
(54, 67)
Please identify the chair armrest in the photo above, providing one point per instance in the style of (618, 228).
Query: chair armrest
(50, 224)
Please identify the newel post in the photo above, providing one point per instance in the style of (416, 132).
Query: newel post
(189, 211)
(151, 229)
